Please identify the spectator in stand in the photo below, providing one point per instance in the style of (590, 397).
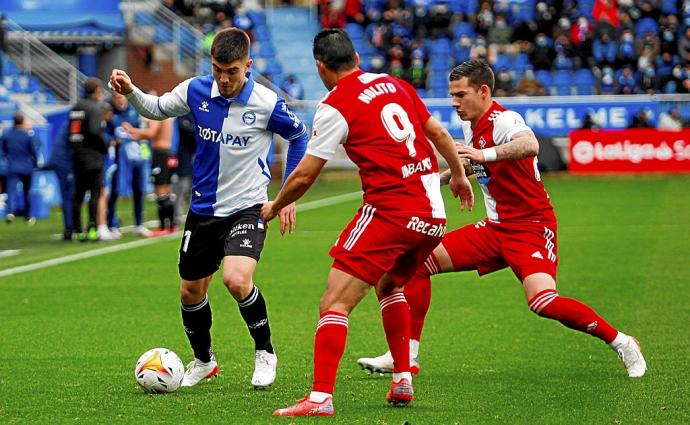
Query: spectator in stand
(627, 54)
(242, 21)
(542, 54)
(588, 122)
(417, 74)
(545, 17)
(581, 40)
(528, 84)
(605, 15)
(604, 50)
(664, 70)
(607, 83)
(186, 149)
(667, 41)
(625, 21)
(20, 147)
(648, 9)
(684, 45)
(333, 17)
(670, 120)
(641, 120)
(293, 87)
(500, 33)
(3, 46)
(626, 81)
(523, 35)
(353, 12)
(485, 18)
(439, 20)
(504, 84)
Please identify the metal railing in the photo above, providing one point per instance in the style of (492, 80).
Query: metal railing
(38, 60)
(151, 23)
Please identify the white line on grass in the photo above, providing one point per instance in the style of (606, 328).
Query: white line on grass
(333, 200)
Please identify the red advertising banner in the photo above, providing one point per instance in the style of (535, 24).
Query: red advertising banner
(632, 150)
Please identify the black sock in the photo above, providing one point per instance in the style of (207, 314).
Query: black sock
(161, 201)
(196, 319)
(253, 311)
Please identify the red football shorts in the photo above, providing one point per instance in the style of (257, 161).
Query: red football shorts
(374, 243)
(526, 248)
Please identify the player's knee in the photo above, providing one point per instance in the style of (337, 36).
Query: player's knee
(191, 294)
(237, 283)
(539, 303)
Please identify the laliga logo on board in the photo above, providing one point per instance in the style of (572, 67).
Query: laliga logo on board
(585, 151)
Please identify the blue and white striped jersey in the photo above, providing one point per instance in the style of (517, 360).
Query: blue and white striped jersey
(233, 137)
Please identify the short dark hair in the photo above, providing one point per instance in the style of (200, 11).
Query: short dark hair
(334, 48)
(91, 85)
(229, 45)
(477, 71)
(18, 119)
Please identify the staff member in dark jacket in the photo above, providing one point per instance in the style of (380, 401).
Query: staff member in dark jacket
(89, 147)
(60, 161)
(19, 146)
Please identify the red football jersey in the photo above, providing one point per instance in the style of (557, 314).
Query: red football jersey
(512, 189)
(379, 120)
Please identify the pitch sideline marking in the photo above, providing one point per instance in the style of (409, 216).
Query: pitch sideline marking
(333, 200)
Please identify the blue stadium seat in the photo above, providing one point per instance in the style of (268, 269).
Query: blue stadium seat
(262, 33)
(162, 35)
(258, 17)
(144, 18)
(543, 76)
(646, 25)
(439, 64)
(669, 7)
(463, 28)
(422, 92)
(266, 50)
(440, 46)
(355, 31)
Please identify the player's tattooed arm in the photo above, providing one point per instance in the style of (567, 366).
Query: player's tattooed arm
(522, 145)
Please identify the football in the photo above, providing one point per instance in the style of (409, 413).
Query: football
(159, 370)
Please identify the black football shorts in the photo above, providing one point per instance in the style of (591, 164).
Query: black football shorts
(206, 240)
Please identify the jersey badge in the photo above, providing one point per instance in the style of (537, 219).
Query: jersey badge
(482, 143)
(249, 118)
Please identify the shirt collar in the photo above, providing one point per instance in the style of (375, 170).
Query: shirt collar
(243, 97)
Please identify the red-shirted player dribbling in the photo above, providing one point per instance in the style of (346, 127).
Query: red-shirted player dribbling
(383, 125)
(520, 230)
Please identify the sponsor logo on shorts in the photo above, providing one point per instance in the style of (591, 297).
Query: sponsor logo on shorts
(241, 229)
(421, 226)
(246, 243)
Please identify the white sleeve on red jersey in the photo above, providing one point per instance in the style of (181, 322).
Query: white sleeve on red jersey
(507, 125)
(466, 132)
(329, 130)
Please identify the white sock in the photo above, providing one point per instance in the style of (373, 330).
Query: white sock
(102, 228)
(618, 340)
(318, 396)
(398, 376)
(414, 349)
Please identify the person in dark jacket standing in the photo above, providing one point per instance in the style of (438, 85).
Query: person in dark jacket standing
(19, 146)
(89, 149)
(60, 161)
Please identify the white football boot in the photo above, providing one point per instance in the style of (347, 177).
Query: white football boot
(628, 350)
(198, 371)
(265, 366)
(384, 363)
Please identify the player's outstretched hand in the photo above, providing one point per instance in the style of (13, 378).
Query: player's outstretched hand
(120, 82)
(462, 188)
(468, 152)
(288, 219)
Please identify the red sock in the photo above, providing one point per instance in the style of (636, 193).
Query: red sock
(329, 346)
(418, 295)
(572, 313)
(396, 323)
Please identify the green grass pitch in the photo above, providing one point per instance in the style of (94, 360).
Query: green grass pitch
(70, 334)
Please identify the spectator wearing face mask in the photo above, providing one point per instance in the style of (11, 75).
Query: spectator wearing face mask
(542, 54)
(626, 49)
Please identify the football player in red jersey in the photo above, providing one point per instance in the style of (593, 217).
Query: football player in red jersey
(519, 231)
(383, 125)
